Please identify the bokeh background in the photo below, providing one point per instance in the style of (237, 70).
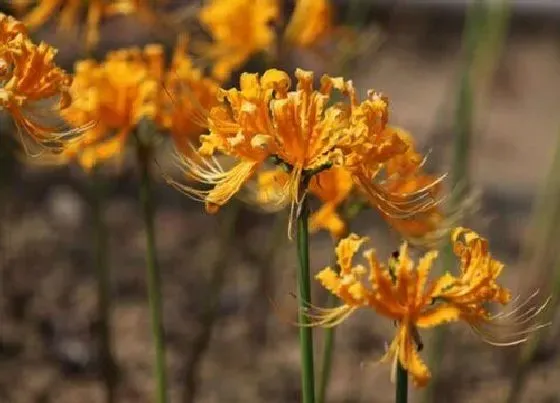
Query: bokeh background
(228, 301)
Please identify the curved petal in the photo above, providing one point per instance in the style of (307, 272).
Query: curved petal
(230, 184)
(438, 315)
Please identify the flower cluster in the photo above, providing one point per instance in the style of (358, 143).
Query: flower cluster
(402, 292)
(131, 85)
(33, 89)
(317, 145)
(277, 142)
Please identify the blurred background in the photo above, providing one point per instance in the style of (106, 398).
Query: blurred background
(228, 302)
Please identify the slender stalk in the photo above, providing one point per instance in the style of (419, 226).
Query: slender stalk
(108, 365)
(304, 300)
(326, 363)
(209, 313)
(153, 274)
(401, 387)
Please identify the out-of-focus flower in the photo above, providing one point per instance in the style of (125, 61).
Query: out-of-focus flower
(71, 10)
(129, 86)
(269, 191)
(189, 92)
(239, 29)
(402, 292)
(332, 187)
(310, 23)
(117, 94)
(33, 89)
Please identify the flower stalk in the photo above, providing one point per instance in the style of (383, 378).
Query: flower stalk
(108, 365)
(326, 364)
(304, 299)
(401, 386)
(144, 154)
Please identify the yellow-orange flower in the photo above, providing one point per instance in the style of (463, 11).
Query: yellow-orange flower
(116, 94)
(332, 187)
(388, 171)
(262, 120)
(310, 22)
(33, 89)
(239, 29)
(402, 291)
(70, 11)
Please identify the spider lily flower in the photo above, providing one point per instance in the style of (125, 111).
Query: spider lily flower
(375, 149)
(239, 29)
(402, 291)
(71, 10)
(33, 89)
(388, 171)
(116, 94)
(262, 121)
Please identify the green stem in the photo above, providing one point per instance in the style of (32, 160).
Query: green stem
(304, 299)
(108, 365)
(401, 387)
(327, 356)
(153, 274)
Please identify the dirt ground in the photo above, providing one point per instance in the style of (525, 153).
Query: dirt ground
(48, 300)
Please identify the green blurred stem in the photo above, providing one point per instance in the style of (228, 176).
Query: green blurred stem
(357, 13)
(304, 300)
(108, 366)
(153, 273)
(401, 386)
(326, 363)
